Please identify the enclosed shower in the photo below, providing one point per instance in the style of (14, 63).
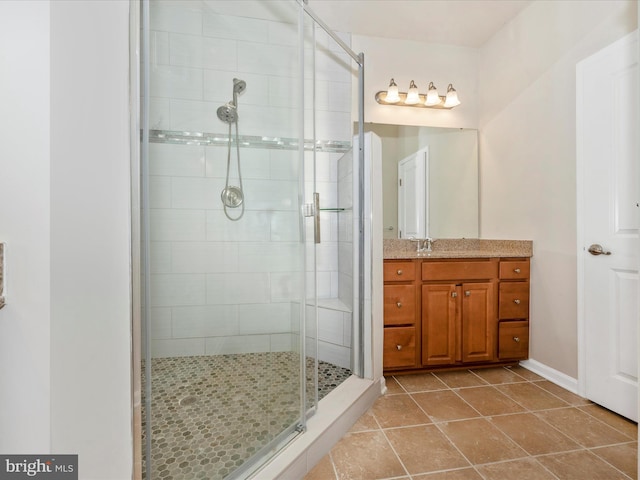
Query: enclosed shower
(252, 244)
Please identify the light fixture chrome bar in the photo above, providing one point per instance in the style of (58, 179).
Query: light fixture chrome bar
(380, 98)
(358, 59)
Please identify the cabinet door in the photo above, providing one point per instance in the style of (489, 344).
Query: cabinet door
(439, 323)
(479, 322)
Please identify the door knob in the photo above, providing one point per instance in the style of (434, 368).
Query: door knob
(596, 249)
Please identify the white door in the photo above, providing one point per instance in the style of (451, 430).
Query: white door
(608, 196)
(413, 217)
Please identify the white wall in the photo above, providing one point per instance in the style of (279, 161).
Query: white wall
(406, 60)
(24, 226)
(528, 156)
(64, 213)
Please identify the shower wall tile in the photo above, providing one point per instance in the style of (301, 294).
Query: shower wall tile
(283, 33)
(181, 347)
(196, 193)
(326, 258)
(345, 289)
(254, 163)
(284, 164)
(236, 28)
(264, 121)
(345, 166)
(205, 321)
(323, 284)
(159, 114)
(176, 160)
(160, 257)
(286, 287)
(204, 257)
(347, 324)
(270, 194)
(159, 48)
(160, 319)
(330, 326)
(202, 52)
(335, 283)
(285, 227)
(333, 126)
(253, 227)
(335, 354)
(159, 192)
(170, 81)
(284, 92)
(283, 342)
(169, 290)
(194, 116)
(237, 344)
(237, 288)
(345, 258)
(175, 17)
(267, 59)
(177, 225)
(264, 318)
(270, 257)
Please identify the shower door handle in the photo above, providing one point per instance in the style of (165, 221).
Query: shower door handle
(316, 217)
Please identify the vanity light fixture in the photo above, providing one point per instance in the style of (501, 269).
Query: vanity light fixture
(415, 99)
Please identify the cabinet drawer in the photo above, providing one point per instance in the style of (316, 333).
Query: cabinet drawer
(514, 270)
(513, 340)
(514, 300)
(399, 304)
(459, 271)
(399, 271)
(399, 347)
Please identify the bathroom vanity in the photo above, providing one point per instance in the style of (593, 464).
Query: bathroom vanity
(464, 303)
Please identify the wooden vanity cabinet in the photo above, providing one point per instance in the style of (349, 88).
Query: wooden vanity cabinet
(449, 313)
(401, 343)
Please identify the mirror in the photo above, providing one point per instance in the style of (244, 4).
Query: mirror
(452, 186)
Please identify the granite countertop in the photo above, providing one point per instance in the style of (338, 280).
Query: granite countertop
(459, 248)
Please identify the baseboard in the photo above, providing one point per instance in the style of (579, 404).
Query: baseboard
(561, 379)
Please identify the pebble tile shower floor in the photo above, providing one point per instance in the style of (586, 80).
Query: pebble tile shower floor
(211, 413)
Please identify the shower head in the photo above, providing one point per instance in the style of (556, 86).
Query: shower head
(239, 85)
(228, 113)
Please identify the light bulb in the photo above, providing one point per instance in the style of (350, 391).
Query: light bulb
(392, 93)
(412, 96)
(432, 96)
(452, 97)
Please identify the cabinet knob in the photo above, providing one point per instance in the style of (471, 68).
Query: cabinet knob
(399, 304)
(454, 294)
(516, 301)
(399, 272)
(399, 347)
(517, 270)
(467, 293)
(516, 339)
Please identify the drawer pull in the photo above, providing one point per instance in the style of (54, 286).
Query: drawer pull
(516, 301)
(399, 272)
(454, 294)
(517, 270)
(399, 347)
(399, 304)
(516, 339)
(467, 293)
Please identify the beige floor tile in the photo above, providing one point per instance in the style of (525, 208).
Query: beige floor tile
(393, 386)
(580, 465)
(463, 474)
(583, 428)
(530, 396)
(623, 457)
(526, 374)
(424, 449)
(421, 382)
(496, 376)
(614, 420)
(533, 434)
(398, 411)
(489, 401)
(525, 469)
(365, 456)
(322, 471)
(567, 396)
(366, 422)
(460, 378)
(480, 441)
(444, 405)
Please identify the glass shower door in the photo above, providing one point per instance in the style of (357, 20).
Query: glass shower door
(224, 235)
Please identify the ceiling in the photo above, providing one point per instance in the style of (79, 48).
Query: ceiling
(467, 23)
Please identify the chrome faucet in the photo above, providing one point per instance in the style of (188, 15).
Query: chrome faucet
(423, 244)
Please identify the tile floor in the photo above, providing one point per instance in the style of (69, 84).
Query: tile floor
(492, 424)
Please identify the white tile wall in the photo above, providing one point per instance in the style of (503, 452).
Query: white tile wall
(222, 286)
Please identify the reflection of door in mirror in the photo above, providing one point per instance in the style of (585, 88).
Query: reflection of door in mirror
(453, 177)
(413, 217)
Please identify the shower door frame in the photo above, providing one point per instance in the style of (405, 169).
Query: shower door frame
(140, 224)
